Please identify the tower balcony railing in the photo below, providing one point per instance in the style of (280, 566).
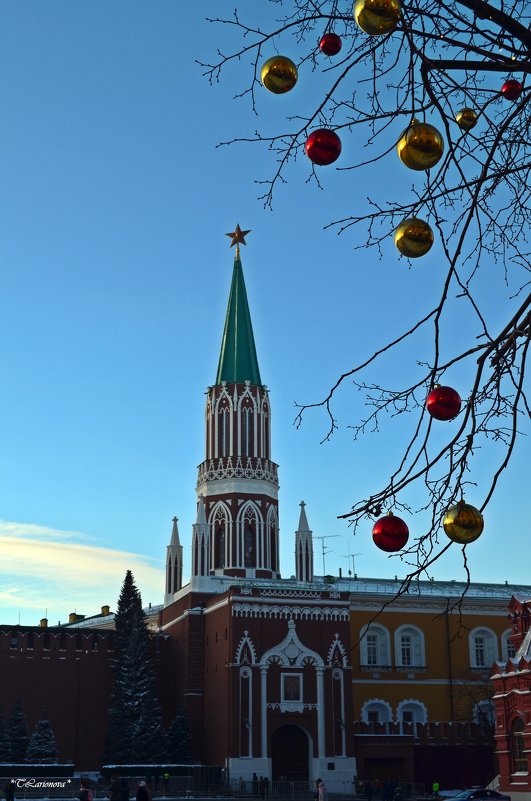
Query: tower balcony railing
(238, 467)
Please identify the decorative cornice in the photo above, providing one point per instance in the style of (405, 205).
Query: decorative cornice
(277, 612)
(284, 708)
(227, 467)
(291, 594)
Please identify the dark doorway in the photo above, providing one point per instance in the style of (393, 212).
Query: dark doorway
(289, 754)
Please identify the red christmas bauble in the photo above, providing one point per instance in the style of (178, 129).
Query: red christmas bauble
(511, 90)
(323, 146)
(330, 44)
(443, 403)
(390, 533)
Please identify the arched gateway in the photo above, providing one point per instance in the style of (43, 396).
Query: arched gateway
(290, 748)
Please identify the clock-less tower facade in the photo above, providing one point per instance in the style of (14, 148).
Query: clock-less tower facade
(237, 481)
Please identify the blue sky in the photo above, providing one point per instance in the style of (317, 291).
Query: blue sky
(114, 279)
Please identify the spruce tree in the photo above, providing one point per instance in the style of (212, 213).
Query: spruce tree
(18, 733)
(134, 733)
(5, 742)
(42, 748)
(179, 738)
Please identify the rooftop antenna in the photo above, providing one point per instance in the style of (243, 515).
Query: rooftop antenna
(324, 549)
(353, 557)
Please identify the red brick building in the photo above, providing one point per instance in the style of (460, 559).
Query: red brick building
(512, 698)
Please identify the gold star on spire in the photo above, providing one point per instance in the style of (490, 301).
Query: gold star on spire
(238, 236)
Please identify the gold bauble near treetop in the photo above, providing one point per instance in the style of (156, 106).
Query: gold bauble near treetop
(279, 74)
(421, 146)
(463, 523)
(377, 17)
(466, 119)
(413, 238)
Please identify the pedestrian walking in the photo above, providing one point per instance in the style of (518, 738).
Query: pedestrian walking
(142, 793)
(322, 792)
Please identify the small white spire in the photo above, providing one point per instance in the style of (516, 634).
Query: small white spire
(303, 521)
(303, 548)
(201, 514)
(174, 541)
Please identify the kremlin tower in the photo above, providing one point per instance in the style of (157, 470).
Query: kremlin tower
(236, 531)
(260, 663)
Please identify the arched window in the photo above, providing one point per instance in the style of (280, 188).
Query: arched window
(224, 432)
(265, 431)
(411, 711)
(273, 543)
(482, 648)
(375, 647)
(247, 432)
(508, 649)
(519, 759)
(273, 546)
(376, 712)
(249, 547)
(409, 647)
(250, 530)
(220, 534)
(219, 552)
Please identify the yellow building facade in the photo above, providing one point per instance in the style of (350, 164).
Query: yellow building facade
(421, 665)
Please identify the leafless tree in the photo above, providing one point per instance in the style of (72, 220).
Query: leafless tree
(443, 55)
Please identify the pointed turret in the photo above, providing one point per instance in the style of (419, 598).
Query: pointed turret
(238, 362)
(303, 548)
(174, 564)
(237, 479)
(200, 548)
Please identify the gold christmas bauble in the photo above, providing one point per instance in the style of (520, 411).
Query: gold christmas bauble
(413, 238)
(377, 17)
(421, 146)
(279, 74)
(463, 523)
(466, 119)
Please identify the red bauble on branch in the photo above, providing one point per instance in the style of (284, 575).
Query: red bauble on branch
(330, 44)
(511, 90)
(323, 146)
(443, 403)
(390, 533)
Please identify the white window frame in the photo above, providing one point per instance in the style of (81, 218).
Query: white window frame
(507, 645)
(383, 647)
(383, 708)
(290, 704)
(490, 645)
(418, 651)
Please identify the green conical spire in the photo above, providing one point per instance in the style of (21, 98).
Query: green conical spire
(237, 361)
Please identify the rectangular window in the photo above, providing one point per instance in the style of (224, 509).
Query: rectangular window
(479, 651)
(406, 650)
(372, 649)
